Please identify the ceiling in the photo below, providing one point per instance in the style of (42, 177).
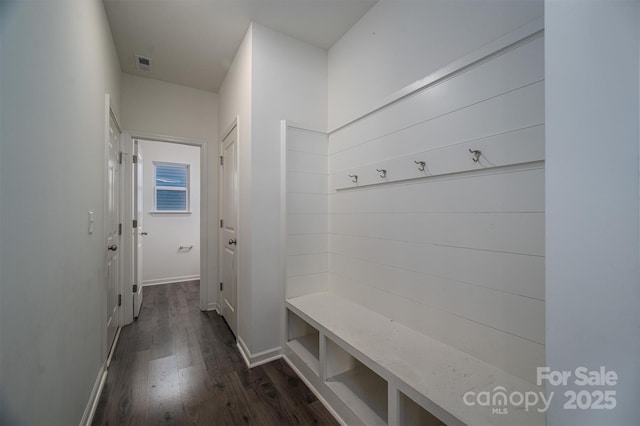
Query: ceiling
(193, 42)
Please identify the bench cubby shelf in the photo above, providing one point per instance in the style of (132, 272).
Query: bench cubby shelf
(375, 371)
(304, 341)
(357, 385)
(413, 414)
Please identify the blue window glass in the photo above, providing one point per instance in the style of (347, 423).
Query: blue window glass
(171, 175)
(172, 187)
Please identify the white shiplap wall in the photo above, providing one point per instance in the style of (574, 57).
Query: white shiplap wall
(307, 257)
(458, 256)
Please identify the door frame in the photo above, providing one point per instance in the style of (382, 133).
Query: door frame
(135, 233)
(127, 217)
(108, 347)
(235, 125)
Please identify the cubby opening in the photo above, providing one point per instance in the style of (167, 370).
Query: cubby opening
(304, 340)
(412, 413)
(356, 385)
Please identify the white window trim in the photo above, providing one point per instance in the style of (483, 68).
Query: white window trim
(171, 188)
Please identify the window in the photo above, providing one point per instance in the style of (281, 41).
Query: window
(171, 187)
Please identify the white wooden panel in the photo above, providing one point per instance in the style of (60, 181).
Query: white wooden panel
(513, 273)
(331, 184)
(509, 191)
(310, 183)
(518, 315)
(510, 71)
(307, 203)
(515, 110)
(307, 244)
(507, 352)
(306, 224)
(307, 141)
(508, 232)
(306, 284)
(306, 210)
(307, 264)
(522, 146)
(304, 162)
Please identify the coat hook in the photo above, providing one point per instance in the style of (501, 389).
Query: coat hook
(421, 165)
(383, 172)
(354, 178)
(476, 154)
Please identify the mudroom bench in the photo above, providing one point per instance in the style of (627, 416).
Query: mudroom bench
(371, 370)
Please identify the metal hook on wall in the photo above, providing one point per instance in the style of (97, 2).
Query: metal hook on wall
(476, 154)
(354, 178)
(383, 172)
(421, 165)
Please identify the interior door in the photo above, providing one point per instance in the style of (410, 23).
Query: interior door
(138, 231)
(228, 234)
(112, 220)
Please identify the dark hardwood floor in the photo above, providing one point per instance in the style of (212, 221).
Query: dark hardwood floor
(178, 365)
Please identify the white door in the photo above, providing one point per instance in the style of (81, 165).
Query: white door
(138, 232)
(228, 234)
(112, 220)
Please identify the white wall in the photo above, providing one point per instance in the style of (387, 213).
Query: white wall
(58, 61)
(273, 77)
(170, 110)
(592, 271)
(163, 261)
(153, 106)
(399, 41)
(235, 102)
(289, 81)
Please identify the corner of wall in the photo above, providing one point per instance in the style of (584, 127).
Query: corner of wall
(254, 360)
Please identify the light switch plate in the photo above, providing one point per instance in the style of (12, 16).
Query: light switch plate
(91, 222)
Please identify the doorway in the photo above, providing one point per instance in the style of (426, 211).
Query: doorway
(228, 240)
(134, 291)
(167, 214)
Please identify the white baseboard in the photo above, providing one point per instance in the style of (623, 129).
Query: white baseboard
(315, 391)
(113, 347)
(254, 360)
(90, 409)
(92, 404)
(159, 281)
(213, 306)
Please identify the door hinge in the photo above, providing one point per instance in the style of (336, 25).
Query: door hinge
(221, 223)
(135, 223)
(119, 300)
(221, 160)
(135, 288)
(134, 159)
(119, 229)
(120, 155)
(221, 286)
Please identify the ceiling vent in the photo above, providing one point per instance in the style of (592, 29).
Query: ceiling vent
(143, 63)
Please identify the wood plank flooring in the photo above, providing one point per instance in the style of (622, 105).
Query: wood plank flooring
(178, 365)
